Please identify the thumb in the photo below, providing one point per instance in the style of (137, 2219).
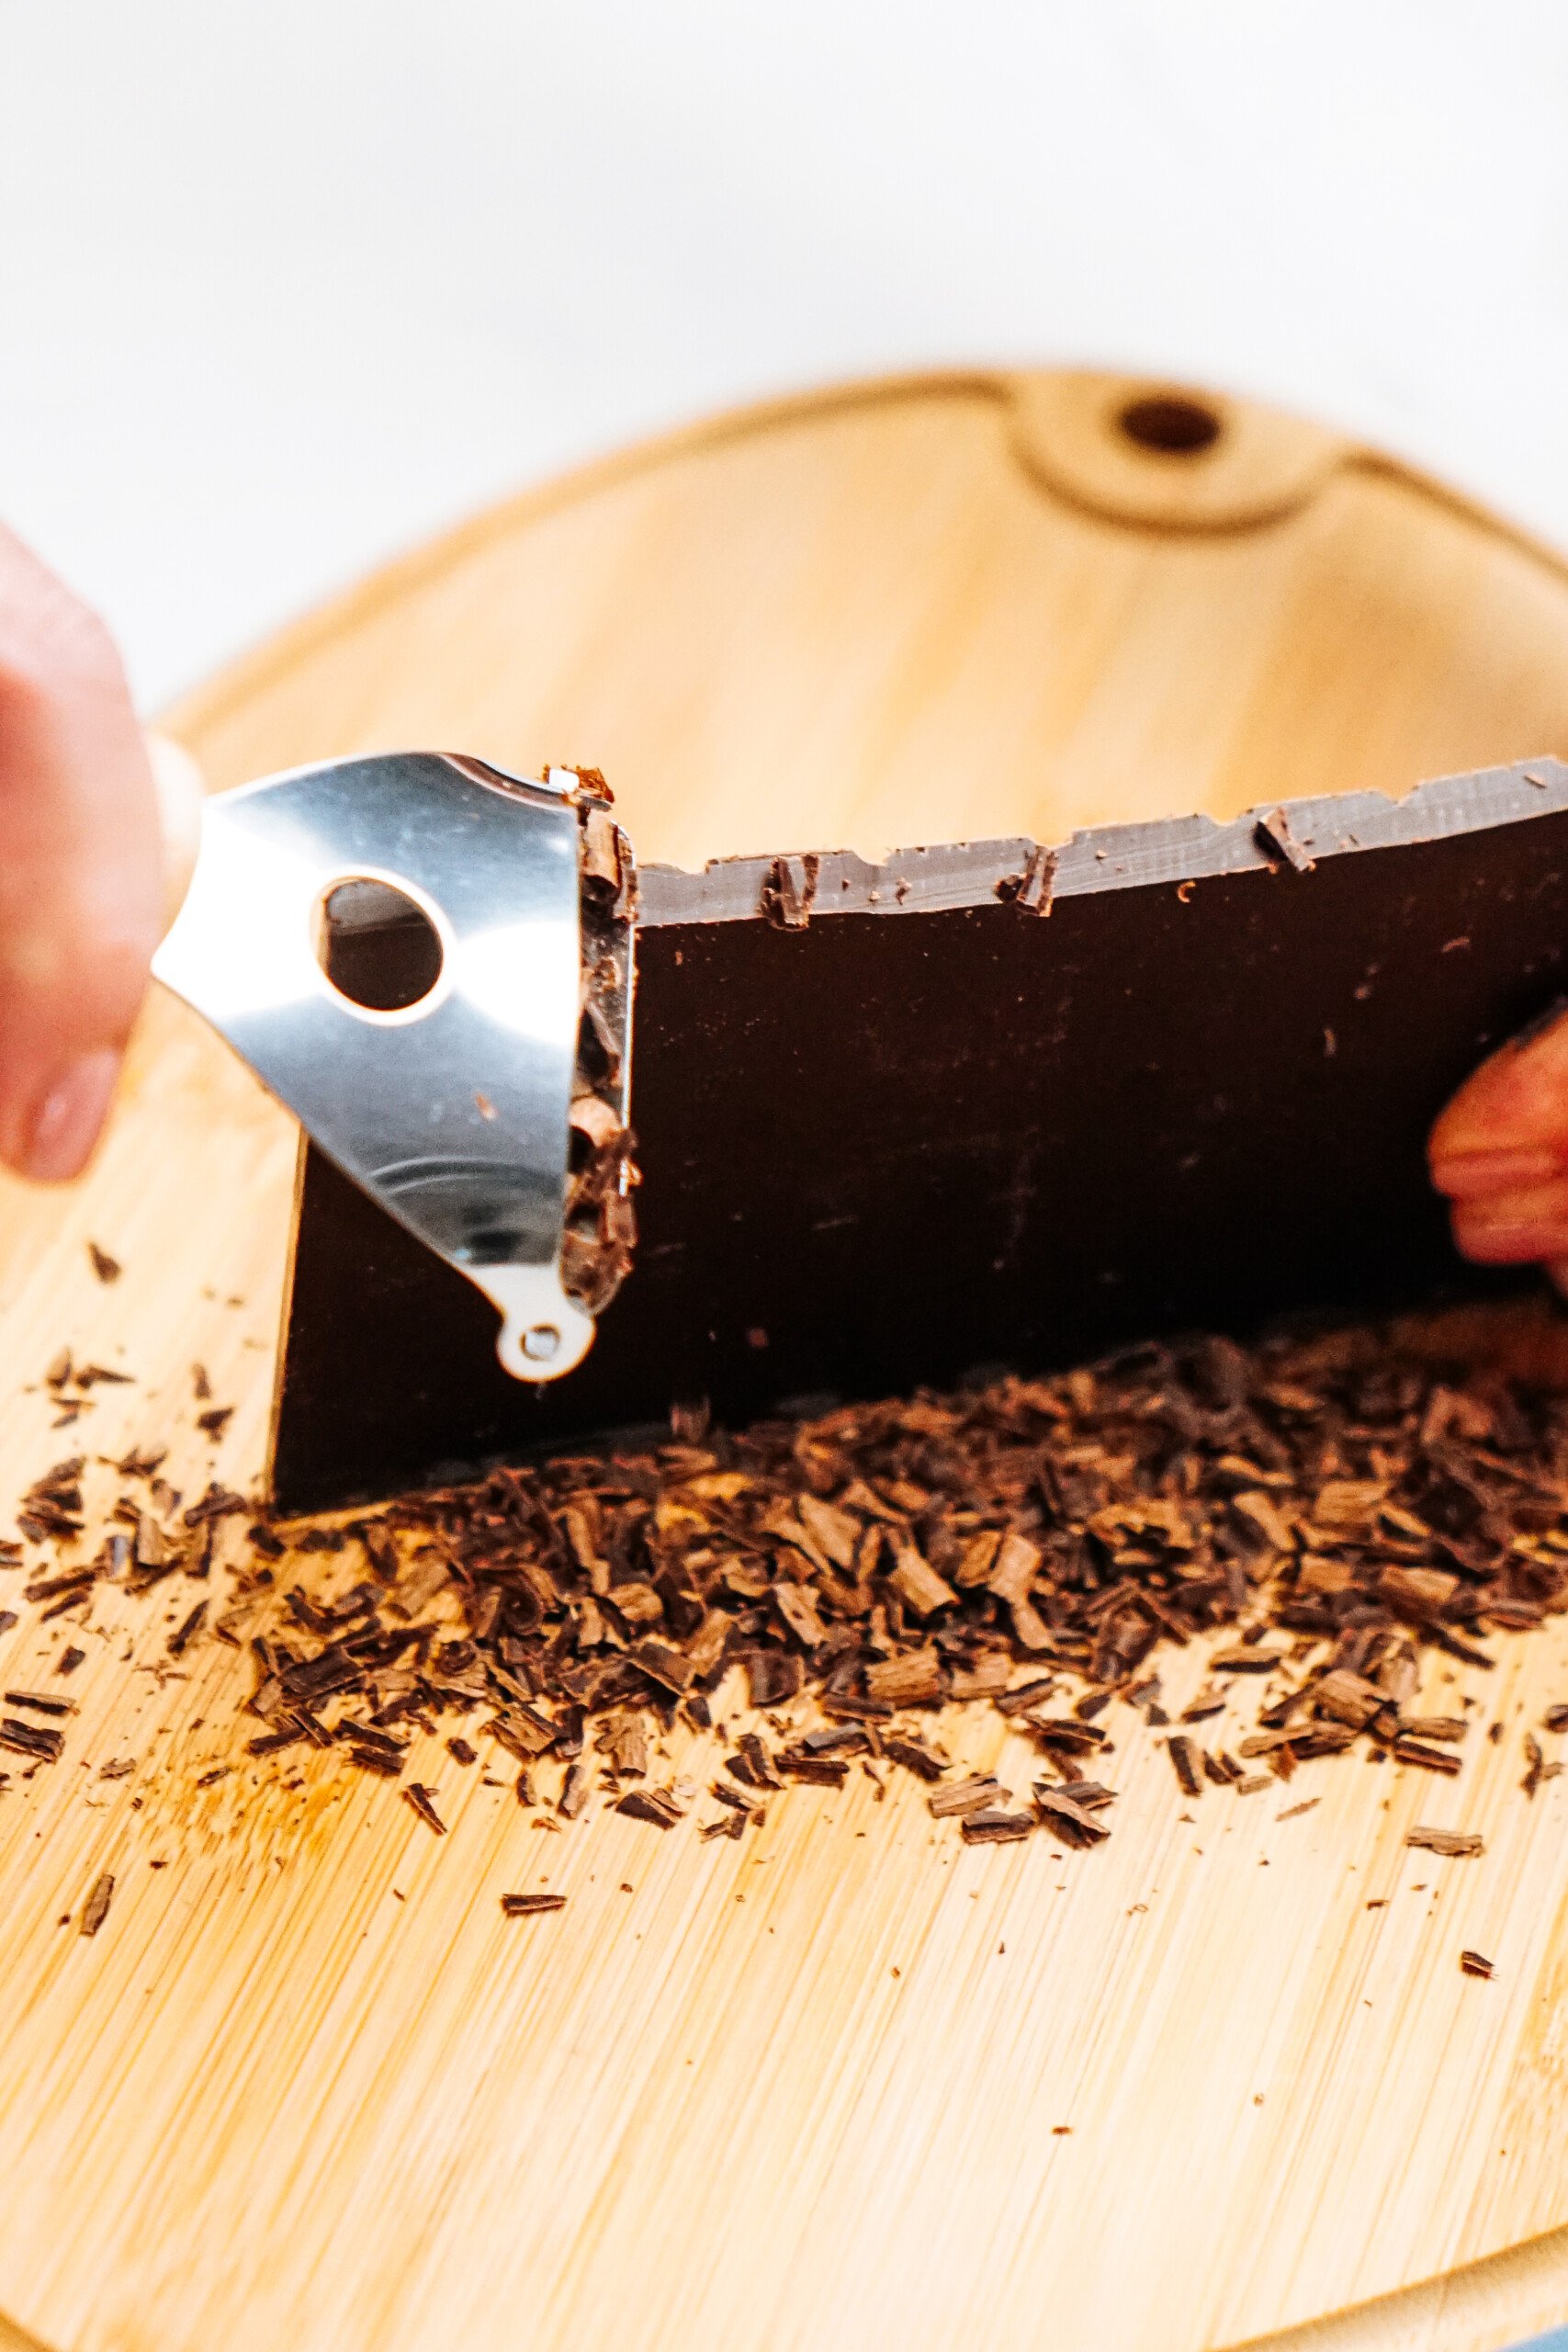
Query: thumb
(81, 868)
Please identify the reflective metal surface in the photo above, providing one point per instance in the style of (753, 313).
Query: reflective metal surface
(452, 1112)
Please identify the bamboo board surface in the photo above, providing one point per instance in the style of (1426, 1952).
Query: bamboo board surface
(305, 2086)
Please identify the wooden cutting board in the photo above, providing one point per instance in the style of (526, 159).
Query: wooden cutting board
(850, 2085)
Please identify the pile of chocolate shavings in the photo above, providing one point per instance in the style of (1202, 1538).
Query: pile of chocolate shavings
(1328, 1515)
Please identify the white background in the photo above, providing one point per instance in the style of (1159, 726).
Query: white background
(287, 284)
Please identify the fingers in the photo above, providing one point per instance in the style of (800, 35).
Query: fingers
(1500, 1153)
(80, 869)
(1510, 1229)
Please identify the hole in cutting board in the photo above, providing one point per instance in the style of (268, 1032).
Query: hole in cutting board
(1169, 425)
(377, 947)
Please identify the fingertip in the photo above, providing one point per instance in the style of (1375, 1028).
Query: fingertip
(59, 1131)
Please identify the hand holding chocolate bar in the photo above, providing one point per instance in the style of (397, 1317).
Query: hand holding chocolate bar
(1500, 1153)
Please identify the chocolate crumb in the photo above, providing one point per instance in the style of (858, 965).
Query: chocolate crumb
(96, 1909)
(423, 1803)
(1460, 1844)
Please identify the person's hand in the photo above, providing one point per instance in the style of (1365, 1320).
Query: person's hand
(1500, 1153)
(82, 869)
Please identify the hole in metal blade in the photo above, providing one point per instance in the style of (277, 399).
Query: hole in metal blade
(377, 947)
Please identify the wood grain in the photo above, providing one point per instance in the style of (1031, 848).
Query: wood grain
(307, 2084)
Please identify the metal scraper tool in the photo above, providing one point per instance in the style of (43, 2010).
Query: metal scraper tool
(417, 954)
(983, 1105)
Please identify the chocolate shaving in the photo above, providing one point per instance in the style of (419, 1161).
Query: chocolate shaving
(828, 1770)
(423, 1803)
(1066, 1816)
(1431, 1760)
(40, 1702)
(914, 1757)
(992, 1828)
(1537, 1769)
(1275, 833)
(96, 1909)
(1034, 888)
(789, 892)
(970, 1795)
(1461, 1844)
(187, 1631)
(31, 1739)
(658, 1805)
(1184, 1763)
